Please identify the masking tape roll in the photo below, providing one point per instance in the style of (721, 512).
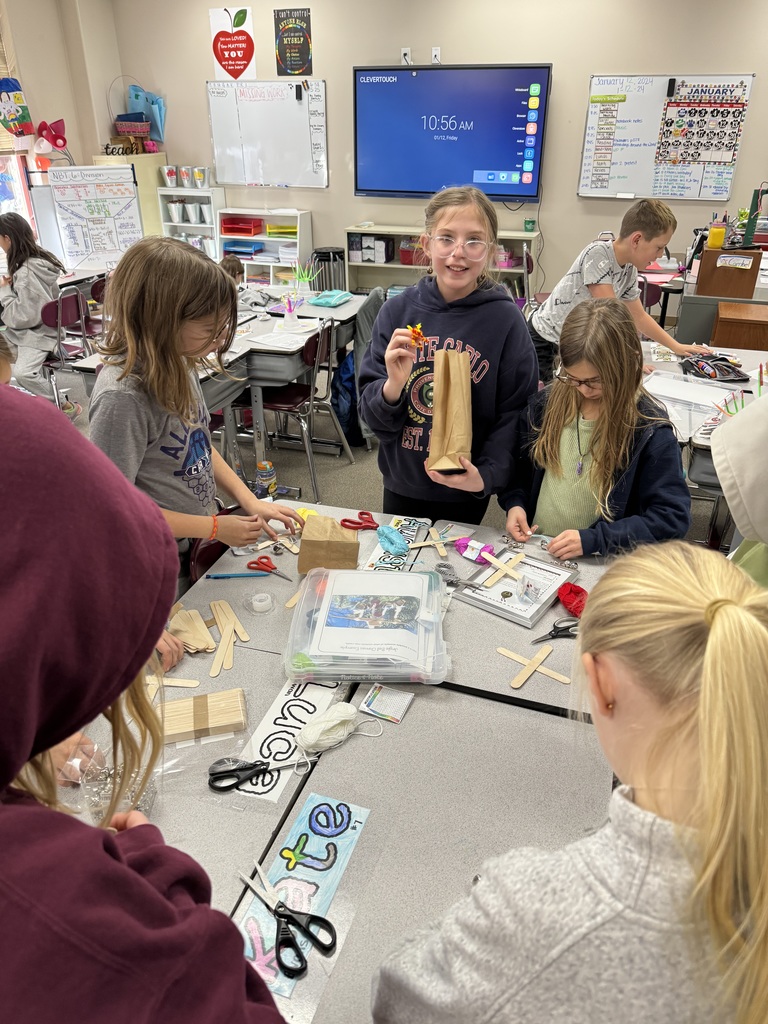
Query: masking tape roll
(259, 603)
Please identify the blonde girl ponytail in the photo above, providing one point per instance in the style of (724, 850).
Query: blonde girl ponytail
(693, 628)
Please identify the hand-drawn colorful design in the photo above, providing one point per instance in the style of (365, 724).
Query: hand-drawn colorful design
(311, 884)
(367, 611)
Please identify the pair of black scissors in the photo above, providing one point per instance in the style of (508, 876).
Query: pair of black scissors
(312, 927)
(566, 627)
(231, 772)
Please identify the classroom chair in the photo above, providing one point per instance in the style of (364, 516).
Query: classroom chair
(69, 310)
(363, 332)
(303, 401)
(95, 325)
(706, 487)
(650, 292)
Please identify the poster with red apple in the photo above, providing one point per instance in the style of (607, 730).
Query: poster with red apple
(232, 41)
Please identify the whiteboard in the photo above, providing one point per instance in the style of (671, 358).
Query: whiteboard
(269, 133)
(663, 136)
(97, 210)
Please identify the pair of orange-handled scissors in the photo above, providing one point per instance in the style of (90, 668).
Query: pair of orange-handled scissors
(265, 564)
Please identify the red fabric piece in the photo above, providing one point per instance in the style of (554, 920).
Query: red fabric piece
(573, 597)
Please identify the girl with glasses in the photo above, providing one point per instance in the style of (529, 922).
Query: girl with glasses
(459, 307)
(599, 469)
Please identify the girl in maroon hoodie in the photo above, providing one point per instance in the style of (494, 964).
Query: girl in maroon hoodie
(97, 923)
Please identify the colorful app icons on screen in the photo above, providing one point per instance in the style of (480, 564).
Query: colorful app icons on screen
(531, 129)
(527, 165)
(535, 89)
(527, 178)
(533, 103)
(533, 115)
(514, 178)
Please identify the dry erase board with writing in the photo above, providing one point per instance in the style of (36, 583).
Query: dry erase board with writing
(97, 211)
(663, 136)
(269, 133)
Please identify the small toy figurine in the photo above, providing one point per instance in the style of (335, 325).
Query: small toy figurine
(416, 336)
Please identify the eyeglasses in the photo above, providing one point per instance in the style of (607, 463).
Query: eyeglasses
(474, 249)
(574, 382)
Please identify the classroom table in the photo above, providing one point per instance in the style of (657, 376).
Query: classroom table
(434, 816)
(458, 781)
(688, 419)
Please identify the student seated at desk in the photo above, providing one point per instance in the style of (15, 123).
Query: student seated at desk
(600, 468)
(458, 306)
(30, 284)
(247, 300)
(172, 310)
(98, 923)
(608, 269)
(738, 452)
(661, 916)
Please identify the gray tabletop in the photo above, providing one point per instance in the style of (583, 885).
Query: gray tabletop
(461, 779)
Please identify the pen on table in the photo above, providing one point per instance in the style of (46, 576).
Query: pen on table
(742, 398)
(234, 575)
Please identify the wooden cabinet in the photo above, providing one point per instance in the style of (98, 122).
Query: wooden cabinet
(402, 262)
(267, 242)
(741, 325)
(203, 204)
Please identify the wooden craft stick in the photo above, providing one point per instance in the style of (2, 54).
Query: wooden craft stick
(227, 638)
(264, 544)
(152, 687)
(530, 668)
(504, 568)
(229, 654)
(438, 542)
(176, 608)
(204, 715)
(293, 601)
(542, 668)
(169, 681)
(199, 625)
(287, 542)
(228, 615)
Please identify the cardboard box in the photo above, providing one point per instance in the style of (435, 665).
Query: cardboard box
(328, 545)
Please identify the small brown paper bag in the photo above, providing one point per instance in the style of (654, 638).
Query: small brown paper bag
(328, 545)
(451, 412)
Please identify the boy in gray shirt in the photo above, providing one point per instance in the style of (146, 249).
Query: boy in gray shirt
(608, 270)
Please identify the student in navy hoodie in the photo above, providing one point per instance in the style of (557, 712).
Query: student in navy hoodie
(600, 468)
(458, 307)
(98, 923)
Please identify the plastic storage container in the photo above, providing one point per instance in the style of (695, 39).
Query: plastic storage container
(365, 625)
(242, 226)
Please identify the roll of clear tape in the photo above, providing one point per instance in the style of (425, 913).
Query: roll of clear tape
(259, 603)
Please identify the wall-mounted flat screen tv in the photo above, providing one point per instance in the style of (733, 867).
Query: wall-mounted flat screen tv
(422, 129)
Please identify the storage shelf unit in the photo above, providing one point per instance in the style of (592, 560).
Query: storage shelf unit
(186, 229)
(359, 275)
(273, 272)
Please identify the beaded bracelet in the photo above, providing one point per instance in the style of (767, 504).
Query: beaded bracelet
(215, 529)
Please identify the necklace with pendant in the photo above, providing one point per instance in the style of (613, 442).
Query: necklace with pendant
(580, 463)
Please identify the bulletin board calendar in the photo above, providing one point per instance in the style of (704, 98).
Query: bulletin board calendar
(663, 136)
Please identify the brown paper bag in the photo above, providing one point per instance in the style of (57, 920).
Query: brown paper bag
(326, 544)
(451, 412)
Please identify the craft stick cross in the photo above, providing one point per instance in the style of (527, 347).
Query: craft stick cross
(437, 542)
(532, 665)
(503, 568)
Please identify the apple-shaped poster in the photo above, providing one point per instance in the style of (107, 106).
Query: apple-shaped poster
(232, 35)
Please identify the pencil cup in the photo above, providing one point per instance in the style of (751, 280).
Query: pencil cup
(193, 212)
(176, 211)
(209, 247)
(169, 175)
(207, 213)
(201, 176)
(185, 177)
(716, 236)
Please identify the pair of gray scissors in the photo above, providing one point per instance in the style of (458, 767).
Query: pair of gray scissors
(446, 570)
(566, 627)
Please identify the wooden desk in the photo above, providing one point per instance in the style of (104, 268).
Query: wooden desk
(741, 325)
